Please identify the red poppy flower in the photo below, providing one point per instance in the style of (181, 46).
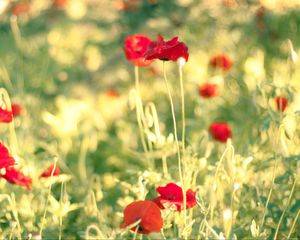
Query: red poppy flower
(17, 109)
(281, 103)
(135, 46)
(171, 195)
(15, 176)
(20, 9)
(59, 3)
(220, 131)
(221, 61)
(5, 115)
(127, 5)
(112, 93)
(208, 90)
(5, 159)
(48, 172)
(146, 211)
(170, 50)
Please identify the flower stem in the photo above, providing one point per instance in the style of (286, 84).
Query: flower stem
(182, 108)
(177, 144)
(165, 165)
(286, 207)
(47, 200)
(134, 95)
(137, 79)
(293, 225)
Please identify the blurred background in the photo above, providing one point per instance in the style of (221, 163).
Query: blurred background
(63, 62)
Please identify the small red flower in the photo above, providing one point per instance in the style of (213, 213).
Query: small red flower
(146, 211)
(220, 131)
(59, 3)
(15, 176)
(135, 46)
(167, 50)
(281, 103)
(5, 159)
(127, 5)
(208, 90)
(221, 61)
(112, 93)
(171, 195)
(5, 115)
(48, 172)
(20, 9)
(17, 109)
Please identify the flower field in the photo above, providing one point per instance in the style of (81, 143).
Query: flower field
(149, 119)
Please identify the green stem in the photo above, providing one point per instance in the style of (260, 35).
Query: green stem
(286, 207)
(177, 144)
(293, 225)
(270, 192)
(137, 79)
(47, 199)
(165, 165)
(61, 217)
(182, 108)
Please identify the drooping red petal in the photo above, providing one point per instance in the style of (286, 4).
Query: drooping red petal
(15, 176)
(5, 159)
(147, 212)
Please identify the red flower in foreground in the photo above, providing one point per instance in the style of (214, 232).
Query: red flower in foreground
(48, 172)
(220, 131)
(208, 90)
(169, 50)
(135, 47)
(20, 9)
(221, 61)
(15, 176)
(281, 103)
(5, 115)
(146, 211)
(171, 195)
(17, 109)
(5, 159)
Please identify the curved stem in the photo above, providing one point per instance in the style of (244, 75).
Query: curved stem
(177, 144)
(140, 117)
